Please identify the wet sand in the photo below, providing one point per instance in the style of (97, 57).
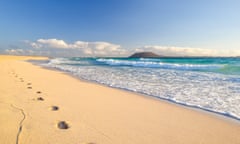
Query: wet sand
(44, 106)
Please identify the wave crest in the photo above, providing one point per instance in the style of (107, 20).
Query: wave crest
(147, 63)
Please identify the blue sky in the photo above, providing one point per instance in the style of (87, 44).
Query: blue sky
(106, 27)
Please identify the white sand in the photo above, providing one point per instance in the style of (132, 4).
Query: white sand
(95, 113)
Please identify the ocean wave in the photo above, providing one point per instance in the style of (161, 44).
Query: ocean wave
(154, 63)
(68, 61)
(212, 92)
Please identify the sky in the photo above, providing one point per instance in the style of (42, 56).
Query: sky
(120, 27)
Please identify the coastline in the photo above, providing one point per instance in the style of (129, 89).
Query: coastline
(97, 113)
(217, 115)
(222, 116)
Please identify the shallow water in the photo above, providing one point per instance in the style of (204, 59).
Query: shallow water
(212, 84)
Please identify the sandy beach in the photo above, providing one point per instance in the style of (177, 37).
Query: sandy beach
(41, 106)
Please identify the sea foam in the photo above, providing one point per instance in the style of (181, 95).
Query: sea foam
(216, 92)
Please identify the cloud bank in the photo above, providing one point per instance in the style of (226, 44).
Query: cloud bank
(81, 47)
(57, 47)
(188, 51)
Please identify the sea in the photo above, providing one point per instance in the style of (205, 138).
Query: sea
(210, 84)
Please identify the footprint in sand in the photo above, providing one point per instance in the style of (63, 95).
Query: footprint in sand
(63, 125)
(38, 92)
(29, 87)
(54, 108)
(40, 99)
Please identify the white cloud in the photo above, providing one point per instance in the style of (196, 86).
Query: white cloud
(188, 51)
(79, 44)
(19, 52)
(81, 48)
(87, 51)
(14, 51)
(86, 48)
(52, 43)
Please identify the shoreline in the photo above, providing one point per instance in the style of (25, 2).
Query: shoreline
(193, 108)
(182, 105)
(169, 101)
(97, 113)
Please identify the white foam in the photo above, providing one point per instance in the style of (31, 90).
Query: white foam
(66, 61)
(210, 91)
(151, 63)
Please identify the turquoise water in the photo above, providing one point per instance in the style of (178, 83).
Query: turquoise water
(211, 84)
(218, 65)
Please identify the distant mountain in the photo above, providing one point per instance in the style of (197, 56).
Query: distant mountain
(145, 55)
